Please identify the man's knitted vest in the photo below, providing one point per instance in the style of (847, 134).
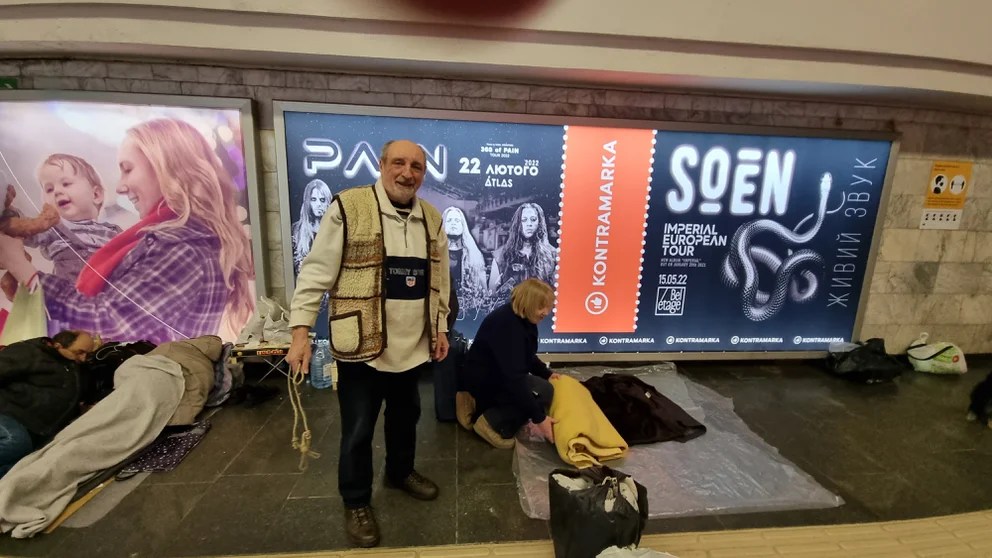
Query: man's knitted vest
(358, 299)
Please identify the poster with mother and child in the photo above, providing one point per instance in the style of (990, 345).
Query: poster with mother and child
(132, 220)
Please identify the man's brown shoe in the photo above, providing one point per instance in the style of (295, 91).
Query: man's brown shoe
(361, 527)
(483, 429)
(416, 485)
(464, 409)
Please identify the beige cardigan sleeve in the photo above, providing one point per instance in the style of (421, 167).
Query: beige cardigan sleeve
(320, 269)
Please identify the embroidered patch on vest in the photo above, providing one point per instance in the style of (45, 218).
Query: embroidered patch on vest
(406, 278)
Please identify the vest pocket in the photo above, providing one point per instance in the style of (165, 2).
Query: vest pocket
(346, 332)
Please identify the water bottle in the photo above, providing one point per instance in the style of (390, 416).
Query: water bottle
(321, 356)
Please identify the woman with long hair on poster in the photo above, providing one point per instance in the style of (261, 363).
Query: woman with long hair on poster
(526, 253)
(468, 267)
(316, 199)
(184, 270)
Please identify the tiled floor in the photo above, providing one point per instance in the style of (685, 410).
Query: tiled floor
(893, 452)
(963, 536)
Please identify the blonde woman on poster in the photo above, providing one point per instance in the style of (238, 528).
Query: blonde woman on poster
(316, 199)
(184, 270)
(468, 267)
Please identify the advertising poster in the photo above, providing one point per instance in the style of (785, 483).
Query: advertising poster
(133, 219)
(495, 184)
(758, 243)
(655, 241)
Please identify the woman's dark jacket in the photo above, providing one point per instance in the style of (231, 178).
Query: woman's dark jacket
(502, 354)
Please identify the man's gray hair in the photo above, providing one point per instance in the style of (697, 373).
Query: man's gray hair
(385, 149)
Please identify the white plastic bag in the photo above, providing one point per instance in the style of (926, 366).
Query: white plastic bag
(842, 347)
(276, 327)
(937, 358)
(270, 324)
(615, 552)
(252, 332)
(28, 318)
(276, 330)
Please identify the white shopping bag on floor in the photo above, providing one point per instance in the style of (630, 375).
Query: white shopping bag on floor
(614, 552)
(937, 358)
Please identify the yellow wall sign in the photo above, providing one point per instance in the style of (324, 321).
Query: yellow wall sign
(946, 192)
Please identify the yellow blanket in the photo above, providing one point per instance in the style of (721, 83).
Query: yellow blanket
(583, 435)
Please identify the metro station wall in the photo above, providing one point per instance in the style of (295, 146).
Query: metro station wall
(935, 281)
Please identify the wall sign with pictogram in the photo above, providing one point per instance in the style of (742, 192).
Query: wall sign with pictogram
(946, 193)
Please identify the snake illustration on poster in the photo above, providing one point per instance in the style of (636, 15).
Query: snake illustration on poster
(758, 243)
(496, 185)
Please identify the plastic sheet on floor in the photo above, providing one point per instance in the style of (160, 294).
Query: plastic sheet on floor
(730, 469)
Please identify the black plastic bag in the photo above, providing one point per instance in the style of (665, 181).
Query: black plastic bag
(867, 364)
(446, 375)
(590, 511)
(99, 368)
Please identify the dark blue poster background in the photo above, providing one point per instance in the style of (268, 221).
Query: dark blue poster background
(758, 243)
(485, 171)
(754, 243)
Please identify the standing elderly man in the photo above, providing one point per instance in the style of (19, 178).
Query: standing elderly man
(383, 256)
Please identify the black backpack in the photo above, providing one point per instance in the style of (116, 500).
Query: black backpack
(98, 371)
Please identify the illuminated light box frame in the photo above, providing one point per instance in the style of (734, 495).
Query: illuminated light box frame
(57, 122)
(668, 240)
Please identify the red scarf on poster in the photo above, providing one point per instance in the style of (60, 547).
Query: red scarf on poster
(103, 262)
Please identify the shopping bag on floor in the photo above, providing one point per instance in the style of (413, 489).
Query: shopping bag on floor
(937, 358)
(594, 509)
(614, 552)
(866, 363)
(27, 319)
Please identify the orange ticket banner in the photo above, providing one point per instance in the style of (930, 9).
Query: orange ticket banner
(605, 188)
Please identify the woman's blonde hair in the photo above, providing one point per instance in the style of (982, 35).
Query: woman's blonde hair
(309, 223)
(529, 296)
(473, 264)
(195, 184)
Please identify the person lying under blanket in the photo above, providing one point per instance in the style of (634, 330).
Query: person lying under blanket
(40, 389)
(167, 387)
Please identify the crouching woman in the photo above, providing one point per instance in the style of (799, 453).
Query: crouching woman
(504, 383)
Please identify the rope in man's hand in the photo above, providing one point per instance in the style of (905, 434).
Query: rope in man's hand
(301, 441)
